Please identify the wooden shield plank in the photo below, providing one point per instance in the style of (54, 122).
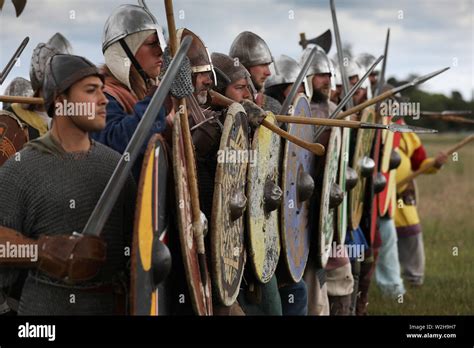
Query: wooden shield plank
(13, 135)
(327, 215)
(373, 199)
(363, 148)
(150, 223)
(201, 296)
(392, 182)
(295, 214)
(263, 224)
(387, 146)
(227, 232)
(342, 210)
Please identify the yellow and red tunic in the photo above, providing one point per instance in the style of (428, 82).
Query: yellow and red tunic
(413, 157)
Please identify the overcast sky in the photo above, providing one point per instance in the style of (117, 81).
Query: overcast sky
(426, 35)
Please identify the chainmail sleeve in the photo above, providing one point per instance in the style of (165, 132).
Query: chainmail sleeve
(12, 211)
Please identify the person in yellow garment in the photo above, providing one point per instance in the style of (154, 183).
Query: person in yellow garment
(410, 240)
(34, 116)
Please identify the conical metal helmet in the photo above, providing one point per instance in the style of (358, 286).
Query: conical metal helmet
(40, 56)
(198, 53)
(320, 64)
(250, 49)
(288, 71)
(19, 87)
(129, 19)
(352, 68)
(62, 44)
(366, 60)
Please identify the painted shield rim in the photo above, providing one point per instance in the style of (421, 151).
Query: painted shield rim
(22, 130)
(198, 302)
(295, 277)
(217, 209)
(335, 143)
(362, 135)
(253, 245)
(149, 157)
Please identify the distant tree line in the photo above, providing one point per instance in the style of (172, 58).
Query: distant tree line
(436, 102)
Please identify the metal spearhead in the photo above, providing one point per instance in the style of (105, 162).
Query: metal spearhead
(13, 60)
(419, 80)
(457, 113)
(398, 128)
(394, 127)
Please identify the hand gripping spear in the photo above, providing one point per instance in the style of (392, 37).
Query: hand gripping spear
(431, 164)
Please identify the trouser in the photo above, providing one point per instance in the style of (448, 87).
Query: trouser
(411, 254)
(340, 285)
(260, 299)
(315, 279)
(367, 268)
(387, 271)
(294, 298)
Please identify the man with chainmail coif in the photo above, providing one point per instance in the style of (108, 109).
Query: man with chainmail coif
(134, 51)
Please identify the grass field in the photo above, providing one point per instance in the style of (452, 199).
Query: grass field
(446, 207)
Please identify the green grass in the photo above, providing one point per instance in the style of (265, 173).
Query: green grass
(446, 207)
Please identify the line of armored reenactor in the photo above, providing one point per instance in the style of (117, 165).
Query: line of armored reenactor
(276, 225)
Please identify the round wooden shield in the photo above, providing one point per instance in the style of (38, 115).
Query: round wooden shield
(262, 221)
(13, 135)
(327, 219)
(342, 216)
(228, 206)
(150, 223)
(201, 296)
(363, 148)
(298, 165)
